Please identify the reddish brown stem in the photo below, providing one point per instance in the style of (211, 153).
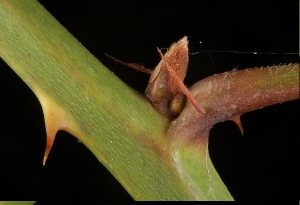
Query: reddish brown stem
(230, 94)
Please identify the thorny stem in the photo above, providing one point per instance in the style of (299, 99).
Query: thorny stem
(224, 97)
(118, 124)
(228, 95)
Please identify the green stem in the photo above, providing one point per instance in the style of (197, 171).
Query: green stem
(122, 129)
(16, 202)
(115, 122)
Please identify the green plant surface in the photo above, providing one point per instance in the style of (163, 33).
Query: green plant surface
(16, 202)
(115, 122)
(120, 127)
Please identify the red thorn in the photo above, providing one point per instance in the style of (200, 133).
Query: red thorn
(132, 65)
(50, 141)
(237, 120)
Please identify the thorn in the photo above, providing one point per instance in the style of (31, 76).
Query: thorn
(131, 65)
(50, 141)
(237, 120)
(55, 119)
(52, 122)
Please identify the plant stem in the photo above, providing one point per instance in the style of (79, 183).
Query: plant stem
(79, 95)
(122, 129)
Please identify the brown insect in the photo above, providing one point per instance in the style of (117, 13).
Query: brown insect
(166, 90)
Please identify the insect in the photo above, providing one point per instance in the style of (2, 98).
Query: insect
(165, 89)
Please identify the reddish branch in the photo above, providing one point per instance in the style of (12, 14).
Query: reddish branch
(228, 95)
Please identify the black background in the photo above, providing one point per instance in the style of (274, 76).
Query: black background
(259, 165)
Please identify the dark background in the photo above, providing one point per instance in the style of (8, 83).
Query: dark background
(259, 165)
